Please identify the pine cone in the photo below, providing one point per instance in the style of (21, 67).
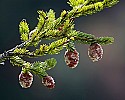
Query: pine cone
(25, 79)
(49, 82)
(71, 58)
(95, 52)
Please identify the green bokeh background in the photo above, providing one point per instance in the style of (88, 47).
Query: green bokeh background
(103, 80)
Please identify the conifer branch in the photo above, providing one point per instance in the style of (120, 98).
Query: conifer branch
(61, 31)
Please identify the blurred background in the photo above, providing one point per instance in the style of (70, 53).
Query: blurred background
(103, 80)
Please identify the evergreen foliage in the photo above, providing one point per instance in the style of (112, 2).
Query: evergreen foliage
(60, 30)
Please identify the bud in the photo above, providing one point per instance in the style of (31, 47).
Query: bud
(48, 81)
(71, 58)
(25, 79)
(61, 27)
(95, 52)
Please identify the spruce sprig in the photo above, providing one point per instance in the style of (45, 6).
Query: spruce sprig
(62, 31)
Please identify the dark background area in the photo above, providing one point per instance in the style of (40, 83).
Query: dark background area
(103, 80)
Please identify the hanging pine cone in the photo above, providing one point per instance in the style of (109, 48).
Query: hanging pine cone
(71, 58)
(95, 52)
(49, 82)
(25, 79)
